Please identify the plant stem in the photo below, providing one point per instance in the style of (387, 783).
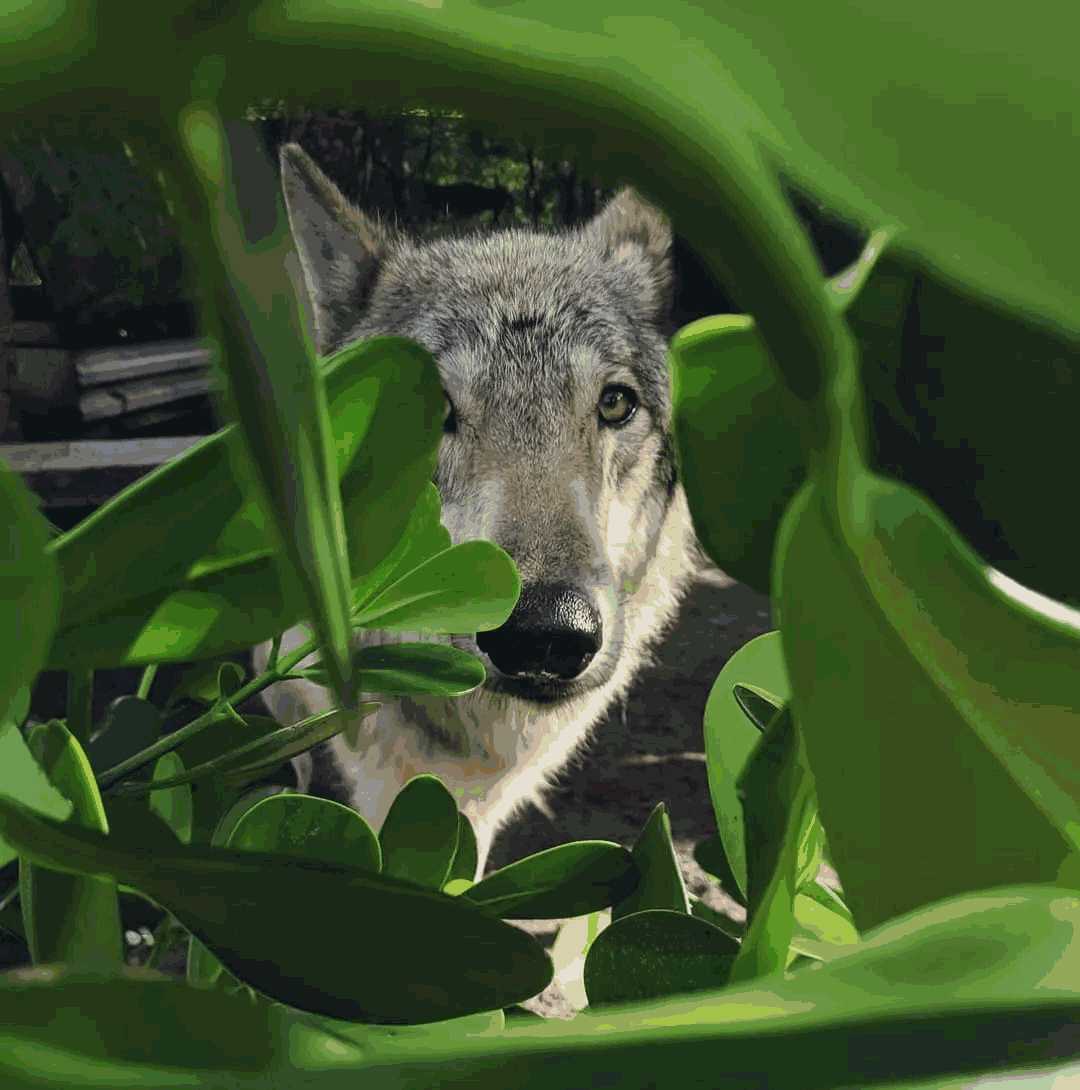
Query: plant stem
(212, 715)
(80, 696)
(146, 681)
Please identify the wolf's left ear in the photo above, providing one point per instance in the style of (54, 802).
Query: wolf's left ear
(340, 248)
(634, 232)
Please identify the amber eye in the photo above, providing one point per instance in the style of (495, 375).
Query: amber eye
(617, 405)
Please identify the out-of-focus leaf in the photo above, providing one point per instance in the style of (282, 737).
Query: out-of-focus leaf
(427, 956)
(977, 704)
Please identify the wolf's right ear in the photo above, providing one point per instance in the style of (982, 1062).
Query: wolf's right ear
(339, 247)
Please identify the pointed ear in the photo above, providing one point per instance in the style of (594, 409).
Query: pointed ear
(633, 232)
(340, 248)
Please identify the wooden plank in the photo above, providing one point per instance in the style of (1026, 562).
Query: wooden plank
(129, 397)
(85, 473)
(36, 334)
(122, 363)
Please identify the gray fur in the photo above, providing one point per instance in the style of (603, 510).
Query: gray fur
(527, 328)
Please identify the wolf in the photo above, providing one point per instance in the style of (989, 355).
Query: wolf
(557, 446)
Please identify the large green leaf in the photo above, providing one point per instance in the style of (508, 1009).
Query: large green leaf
(419, 836)
(567, 880)
(29, 589)
(655, 953)
(972, 405)
(74, 918)
(402, 669)
(237, 226)
(134, 1027)
(779, 807)
(660, 881)
(278, 922)
(848, 86)
(985, 983)
(222, 596)
(975, 705)
(730, 737)
(470, 587)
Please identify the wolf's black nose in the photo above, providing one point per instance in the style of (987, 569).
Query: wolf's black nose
(553, 633)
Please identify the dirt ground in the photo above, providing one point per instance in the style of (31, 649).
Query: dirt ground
(651, 752)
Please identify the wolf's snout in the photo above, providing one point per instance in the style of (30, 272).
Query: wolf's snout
(553, 633)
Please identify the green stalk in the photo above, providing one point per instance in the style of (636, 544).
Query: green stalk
(146, 681)
(80, 697)
(178, 737)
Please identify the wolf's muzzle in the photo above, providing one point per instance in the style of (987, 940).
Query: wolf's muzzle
(551, 636)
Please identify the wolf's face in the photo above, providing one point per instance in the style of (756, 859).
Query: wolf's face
(556, 443)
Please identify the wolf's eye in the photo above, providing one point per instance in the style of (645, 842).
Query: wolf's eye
(617, 405)
(449, 422)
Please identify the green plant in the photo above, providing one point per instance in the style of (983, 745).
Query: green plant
(928, 716)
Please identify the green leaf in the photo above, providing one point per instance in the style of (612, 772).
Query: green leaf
(174, 804)
(465, 857)
(145, 1030)
(825, 924)
(273, 388)
(656, 953)
(22, 778)
(131, 724)
(962, 705)
(734, 929)
(29, 590)
(402, 669)
(470, 587)
(203, 968)
(221, 596)
(567, 880)
(419, 836)
(731, 735)
(737, 432)
(69, 918)
(424, 537)
(778, 804)
(660, 883)
(307, 827)
(264, 753)
(426, 956)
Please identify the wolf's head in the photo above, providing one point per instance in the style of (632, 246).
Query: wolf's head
(557, 442)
